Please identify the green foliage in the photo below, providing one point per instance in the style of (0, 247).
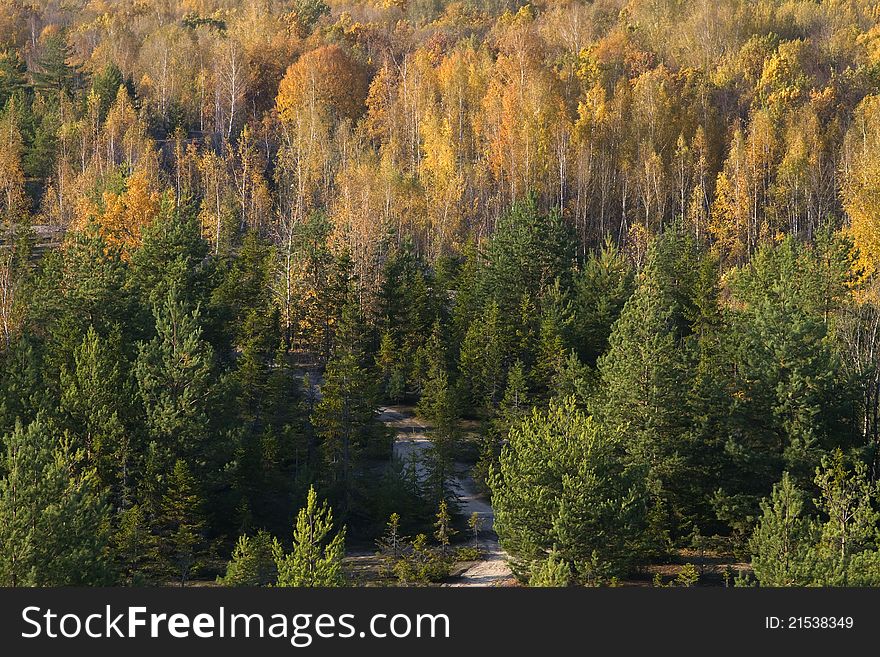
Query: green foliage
(180, 524)
(481, 360)
(552, 572)
(54, 73)
(316, 559)
(54, 522)
(175, 379)
(438, 404)
(253, 561)
(836, 547)
(95, 407)
(601, 289)
(345, 418)
(646, 371)
(421, 564)
(561, 484)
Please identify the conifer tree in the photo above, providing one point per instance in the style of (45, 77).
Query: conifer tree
(344, 418)
(390, 544)
(134, 546)
(643, 375)
(253, 561)
(54, 73)
(54, 522)
(561, 483)
(95, 405)
(438, 404)
(13, 80)
(481, 360)
(316, 559)
(552, 572)
(783, 538)
(444, 530)
(601, 289)
(514, 407)
(181, 525)
(176, 382)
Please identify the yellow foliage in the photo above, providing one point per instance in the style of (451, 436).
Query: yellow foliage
(123, 216)
(861, 182)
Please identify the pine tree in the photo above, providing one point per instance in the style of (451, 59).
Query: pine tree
(86, 287)
(173, 256)
(601, 289)
(644, 375)
(792, 405)
(553, 336)
(253, 561)
(481, 361)
(54, 522)
(24, 385)
(105, 85)
(54, 74)
(514, 407)
(13, 80)
(561, 483)
(444, 530)
(552, 572)
(438, 404)
(390, 368)
(390, 544)
(175, 379)
(528, 252)
(846, 499)
(133, 546)
(316, 559)
(95, 404)
(181, 525)
(783, 538)
(344, 418)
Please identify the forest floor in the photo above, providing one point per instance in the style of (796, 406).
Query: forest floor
(412, 437)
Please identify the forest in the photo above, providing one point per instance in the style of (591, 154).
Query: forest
(287, 285)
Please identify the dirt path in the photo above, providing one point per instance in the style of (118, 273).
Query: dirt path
(411, 440)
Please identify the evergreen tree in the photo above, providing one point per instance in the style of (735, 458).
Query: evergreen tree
(176, 383)
(134, 546)
(173, 256)
(54, 523)
(553, 337)
(405, 304)
(601, 289)
(514, 407)
(481, 361)
(561, 483)
(390, 544)
(54, 74)
(253, 561)
(24, 384)
(181, 525)
(345, 418)
(444, 530)
(105, 85)
(95, 407)
(528, 252)
(316, 559)
(13, 80)
(391, 369)
(645, 374)
(783, 538)
(847, 499)
(791, 405)
(85, 287)
(438, 405)
(552, 572)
